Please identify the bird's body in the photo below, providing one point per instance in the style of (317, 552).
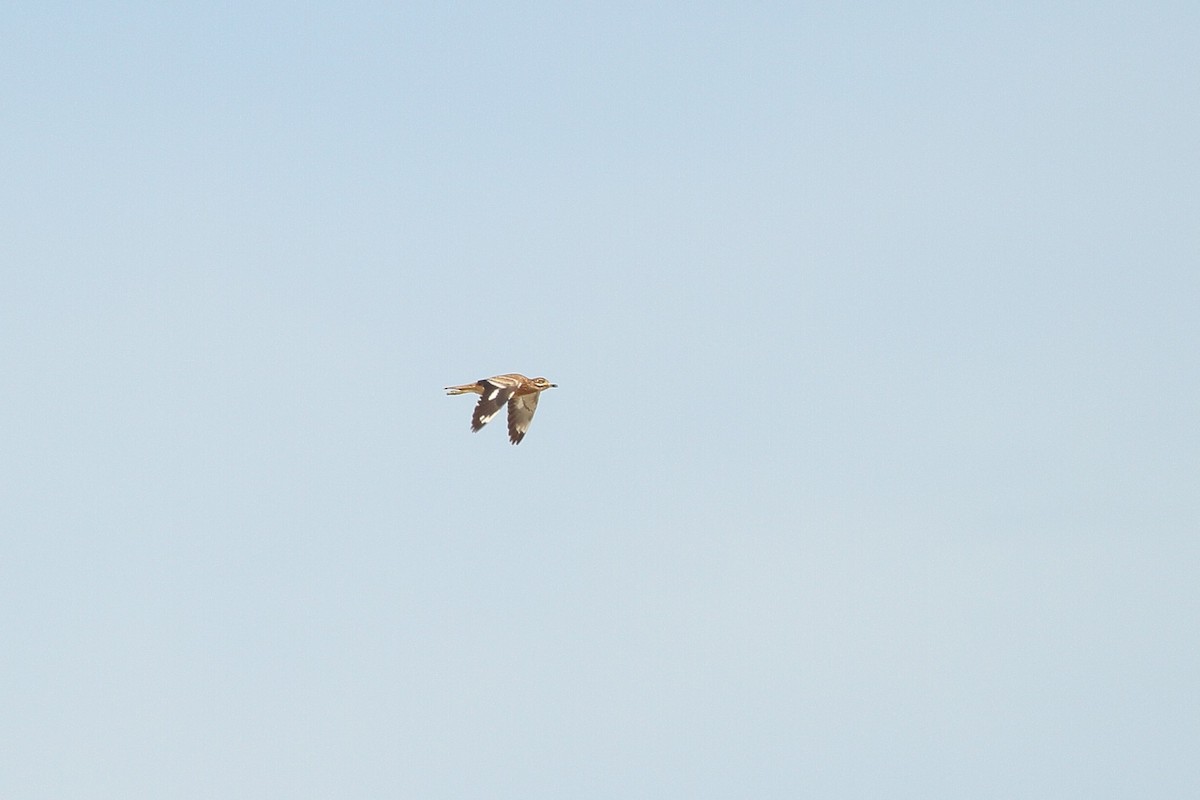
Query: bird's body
(520, 393)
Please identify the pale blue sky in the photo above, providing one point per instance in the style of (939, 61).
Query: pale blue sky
(874, 467)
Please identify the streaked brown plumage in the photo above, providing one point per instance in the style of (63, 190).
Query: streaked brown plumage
(520, 393)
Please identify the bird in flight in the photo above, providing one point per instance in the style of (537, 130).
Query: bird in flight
(519, 392)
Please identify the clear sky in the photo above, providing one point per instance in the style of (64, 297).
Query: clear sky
(873, 470)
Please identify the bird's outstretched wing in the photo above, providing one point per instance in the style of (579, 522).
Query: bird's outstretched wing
(491, 400)
(520, 414)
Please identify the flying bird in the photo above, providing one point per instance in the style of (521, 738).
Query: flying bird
(519, 392)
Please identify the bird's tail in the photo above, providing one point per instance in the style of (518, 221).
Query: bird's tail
(466, 388)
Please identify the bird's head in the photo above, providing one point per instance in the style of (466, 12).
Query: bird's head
(541, 384)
